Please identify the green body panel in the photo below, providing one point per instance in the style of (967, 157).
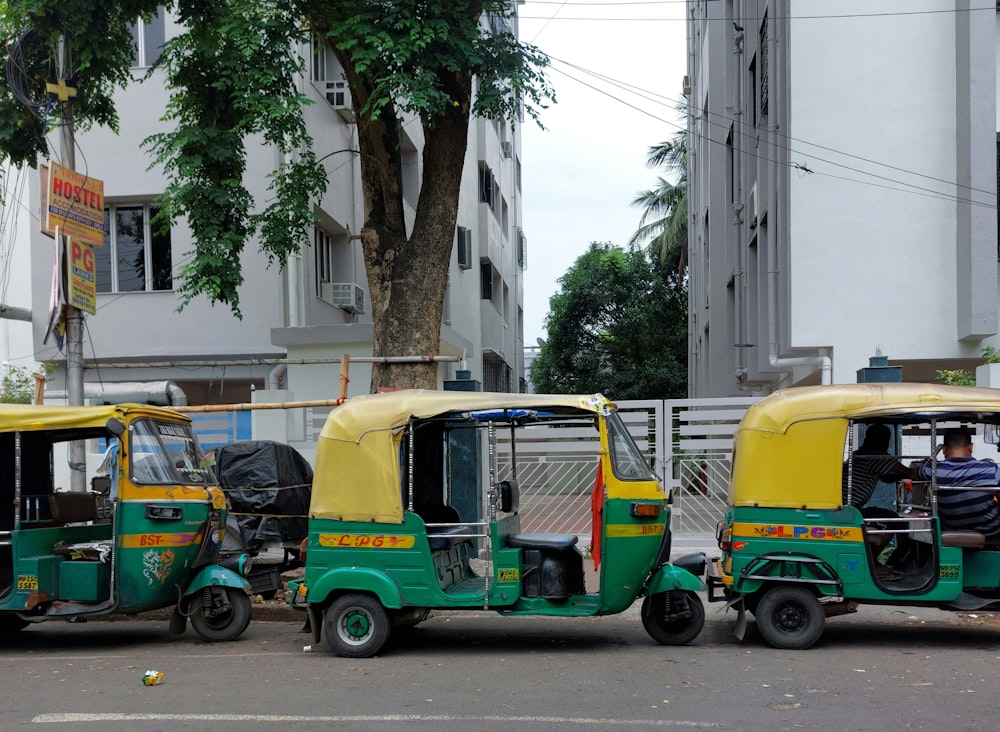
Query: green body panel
(847, 560)
(85, 581)
(402, 576)
(38, 571)
(215, 576)
(981, 568)
(626, 561)
(161, 554)
(668, 577)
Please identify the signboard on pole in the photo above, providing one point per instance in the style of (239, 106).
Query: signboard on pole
(74, 203)
(82, 277)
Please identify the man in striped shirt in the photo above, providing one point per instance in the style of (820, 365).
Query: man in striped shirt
(869, 464)
(965, 510)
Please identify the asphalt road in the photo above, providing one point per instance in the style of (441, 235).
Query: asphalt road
(881, 669)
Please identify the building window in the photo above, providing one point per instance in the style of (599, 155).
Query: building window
(136, 255)
(487, 185)
(497, 375)
(486, 281)
(323, 246)
(148, 37)
(763, 66)
(319, 52)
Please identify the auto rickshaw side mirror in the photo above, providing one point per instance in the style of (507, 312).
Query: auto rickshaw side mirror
(510, 498)
(101, 484)
(115, 427)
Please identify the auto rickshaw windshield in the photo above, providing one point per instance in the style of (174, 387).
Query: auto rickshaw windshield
(167, 452)
(626, 460)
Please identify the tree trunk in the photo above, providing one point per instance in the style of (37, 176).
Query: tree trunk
(407, 276)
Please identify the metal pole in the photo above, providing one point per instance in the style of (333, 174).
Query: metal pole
(74, 321)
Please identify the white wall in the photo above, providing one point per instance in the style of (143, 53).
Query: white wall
(873, 259)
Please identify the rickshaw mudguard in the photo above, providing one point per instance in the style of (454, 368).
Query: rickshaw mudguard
(668, 577)
(215, 576)
(355, 579)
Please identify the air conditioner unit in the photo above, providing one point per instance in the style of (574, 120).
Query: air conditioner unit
(344, 295)
(338, 94)
(508, 148)
(464, 248)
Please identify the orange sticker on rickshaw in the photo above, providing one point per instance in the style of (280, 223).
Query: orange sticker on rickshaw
(366, 541)
(798, 531)
(634, 530)
(142, 541)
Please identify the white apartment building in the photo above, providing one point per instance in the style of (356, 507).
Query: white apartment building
(842, 189)
(319, 307)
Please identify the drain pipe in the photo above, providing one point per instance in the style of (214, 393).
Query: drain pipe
(274, 377)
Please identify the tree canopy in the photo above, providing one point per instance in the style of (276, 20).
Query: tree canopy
(664, 224)
(617, 326)
(233, 72)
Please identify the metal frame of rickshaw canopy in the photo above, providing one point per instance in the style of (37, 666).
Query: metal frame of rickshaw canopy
(360, 442)
(789, 448)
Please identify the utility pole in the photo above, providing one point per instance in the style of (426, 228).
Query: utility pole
(74, 324)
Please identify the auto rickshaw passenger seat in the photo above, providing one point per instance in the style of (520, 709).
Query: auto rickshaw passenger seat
(963, 539)
(73, 507)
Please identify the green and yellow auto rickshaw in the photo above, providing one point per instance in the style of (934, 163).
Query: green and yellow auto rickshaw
(416, 507)
(143, 533)
(794, 548)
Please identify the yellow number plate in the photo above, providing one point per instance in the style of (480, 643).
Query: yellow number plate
(27, 582)
(508, 576)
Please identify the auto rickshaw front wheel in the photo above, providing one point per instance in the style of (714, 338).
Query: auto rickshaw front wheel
(220, 613)
(673, 618)
(356, 626)
(790, 617)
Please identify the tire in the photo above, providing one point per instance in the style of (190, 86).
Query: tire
(12, 623)
(676, 631)
(226, 625)
(356, 626)
(790, 617)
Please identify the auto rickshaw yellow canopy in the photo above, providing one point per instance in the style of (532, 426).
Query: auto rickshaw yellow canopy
(28, 417)
(357, 473)
(789, 448)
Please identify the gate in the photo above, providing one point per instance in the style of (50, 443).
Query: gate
(697, 468)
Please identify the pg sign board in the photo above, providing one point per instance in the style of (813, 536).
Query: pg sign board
(82, 277)
(74, 203)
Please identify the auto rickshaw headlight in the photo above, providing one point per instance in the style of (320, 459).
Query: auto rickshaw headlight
(239, 563)
(646, 510)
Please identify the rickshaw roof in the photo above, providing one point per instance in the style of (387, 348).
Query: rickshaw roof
(789, 449)
(776, 412)
(393, 410)
(27, 417)
(357, 472)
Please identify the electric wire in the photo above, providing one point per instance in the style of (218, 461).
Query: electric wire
(649, 95)
(917, 190)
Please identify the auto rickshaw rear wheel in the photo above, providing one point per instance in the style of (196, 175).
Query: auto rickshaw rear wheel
(220, 623)
(673, 618)
(356, 626)
(790, 617)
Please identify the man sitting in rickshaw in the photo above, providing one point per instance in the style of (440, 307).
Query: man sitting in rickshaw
(965, 510)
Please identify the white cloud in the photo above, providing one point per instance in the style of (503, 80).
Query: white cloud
(580, 174)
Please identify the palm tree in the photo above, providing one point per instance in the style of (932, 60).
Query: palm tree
(664, 218)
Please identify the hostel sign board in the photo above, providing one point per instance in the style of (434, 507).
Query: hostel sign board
(75, 203)
(82, 277)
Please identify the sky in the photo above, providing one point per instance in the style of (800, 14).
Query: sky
(580, 174)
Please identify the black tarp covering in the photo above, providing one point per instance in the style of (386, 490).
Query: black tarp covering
(269, 485)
